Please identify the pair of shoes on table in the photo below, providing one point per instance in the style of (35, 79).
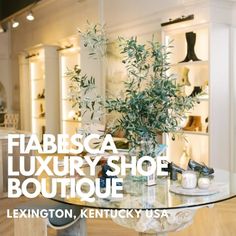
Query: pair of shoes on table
(173, 169)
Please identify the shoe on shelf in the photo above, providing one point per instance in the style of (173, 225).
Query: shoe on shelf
(191, 40)
(42, 115)
(205, 88)
(184, 77)
(189, 123)
(195, 125)
(43, 131)
(201, 168)
(196, 90)
(43, 94)
(206, 120)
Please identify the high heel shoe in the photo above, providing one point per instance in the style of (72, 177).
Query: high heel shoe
(173, 170)
(201, 168)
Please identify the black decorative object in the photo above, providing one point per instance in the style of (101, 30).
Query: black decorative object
(178, 20)
(191, 40)
(103, 175)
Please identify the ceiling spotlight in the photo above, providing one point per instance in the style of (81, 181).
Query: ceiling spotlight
(15, 24)
(1, 29)
(30, 16)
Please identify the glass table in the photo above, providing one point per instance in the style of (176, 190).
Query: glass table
(155, 209)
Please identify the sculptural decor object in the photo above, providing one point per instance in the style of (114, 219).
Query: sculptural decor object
(103, 175)
(191, 40)
(185, 77)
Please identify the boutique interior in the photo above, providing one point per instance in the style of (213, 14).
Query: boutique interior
(60, 60)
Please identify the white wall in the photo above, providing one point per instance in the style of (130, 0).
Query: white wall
(125, 11)
(233, 108)
(233, 98)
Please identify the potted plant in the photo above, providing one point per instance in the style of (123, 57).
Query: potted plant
(152, 103)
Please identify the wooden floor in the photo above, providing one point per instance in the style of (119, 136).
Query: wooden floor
(217, 221)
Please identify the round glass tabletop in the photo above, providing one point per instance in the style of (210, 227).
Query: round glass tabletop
(162, 196)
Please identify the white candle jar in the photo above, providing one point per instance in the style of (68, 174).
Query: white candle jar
(189, 180)
(204, 182)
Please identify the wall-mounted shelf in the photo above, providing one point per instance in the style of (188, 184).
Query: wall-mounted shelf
(68, 58)
(75, 121)
(191, 63)
(192, 133)
(203, 99)
(39, 99)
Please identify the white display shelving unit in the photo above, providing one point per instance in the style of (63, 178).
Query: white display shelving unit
(39, 73)
(213, 146)
(70, 119)
(38, 106)
(206, 145)
(196, 142)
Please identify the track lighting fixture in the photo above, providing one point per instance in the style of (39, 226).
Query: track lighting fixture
(178, 20)
(15, 23)
(11, 20)
(30, 16)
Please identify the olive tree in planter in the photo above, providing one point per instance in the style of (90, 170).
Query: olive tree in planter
(152, 103)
